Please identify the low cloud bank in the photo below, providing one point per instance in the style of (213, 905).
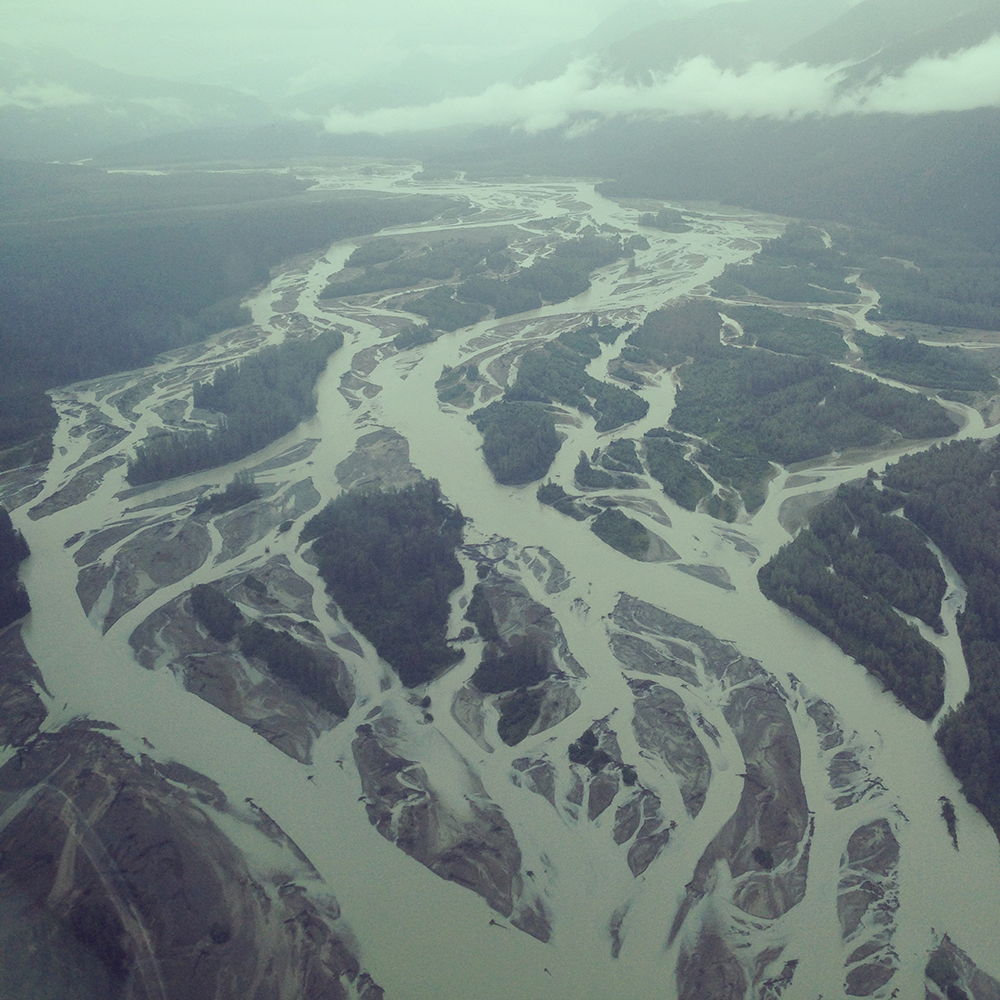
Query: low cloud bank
(960, 82)
(35, 96)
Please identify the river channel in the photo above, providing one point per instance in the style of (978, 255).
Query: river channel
(424, 938)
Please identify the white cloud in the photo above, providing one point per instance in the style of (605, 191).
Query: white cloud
(34, 96)
(965, 80)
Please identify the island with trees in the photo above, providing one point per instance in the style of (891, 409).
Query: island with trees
(260, 398)
(388, 560)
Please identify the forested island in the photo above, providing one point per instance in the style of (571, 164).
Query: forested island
(260, 398)
(857, 563)
(848, 572)
(388, 559)
(951, 494)
(519, 435)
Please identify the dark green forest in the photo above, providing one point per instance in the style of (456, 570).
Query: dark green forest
(791, 409)
(937, 282)
(519, 436)
(101, 272)
(260, 398)
(388, 560)
(847, 572)
(906, 359)
(621, 532)
(483, 270)
(681, 480)
(519, 440)
(782, 334)
(950, 493)
(13, 551)
(556, 372)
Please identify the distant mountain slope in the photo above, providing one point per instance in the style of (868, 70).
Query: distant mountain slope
(733, 35)
(868, 40)
(55, 106)
(898, 31)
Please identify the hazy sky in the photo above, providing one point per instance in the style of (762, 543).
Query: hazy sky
(276, 48)
(209, 38)
(963, 81)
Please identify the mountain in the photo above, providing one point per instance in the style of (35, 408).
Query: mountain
(732, 35)
(868, 39)
(888, 35)
(55, 106)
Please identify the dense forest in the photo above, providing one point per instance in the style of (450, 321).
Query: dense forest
(788, 409)
(13, 551)
(388, 560)
(740, 408)
(556, 372)
(519, 436)
(950, 492)
(773, 331)
(519, 440)
(482, 269)
(681, 480)
(940, 283)
(621, 532)
(100, 272)
(260, 398)
(906, 359)
(847, 573)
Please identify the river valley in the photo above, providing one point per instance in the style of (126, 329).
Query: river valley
(783, 833)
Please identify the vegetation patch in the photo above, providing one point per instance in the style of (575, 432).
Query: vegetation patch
(242, 489)
(261, 398)
(950, 493)
(773, 331)
(557, 373)
(788, 409)
(553, 495)
(220, 616)
(458, 385)
(518, 663)
(621, 532)
(519, 711)
(519, 440)
(444, 311)
(480, 614)
(14, 550)
(796, 267)
(906, 359)
(681, 480)
(388, 559)
(847, 573)
(296, 664)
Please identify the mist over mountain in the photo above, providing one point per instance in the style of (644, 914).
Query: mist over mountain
(54, 105)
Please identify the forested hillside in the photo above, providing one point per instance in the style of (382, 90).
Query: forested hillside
(100, 272)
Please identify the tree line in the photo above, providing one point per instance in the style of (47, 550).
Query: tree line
(14, 550)
(285, 657)
(845, 585)
(261, 398)
(951, 493)
(92, 289)
(388, 560)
